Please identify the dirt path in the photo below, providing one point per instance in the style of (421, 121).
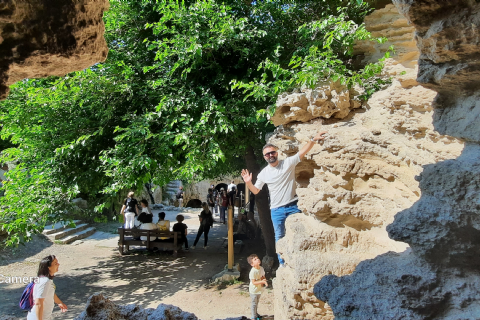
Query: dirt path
(141, 278)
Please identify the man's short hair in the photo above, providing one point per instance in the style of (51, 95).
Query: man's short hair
(269, 145)
(251, 257)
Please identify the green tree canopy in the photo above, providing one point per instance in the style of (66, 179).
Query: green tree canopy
(183, 95)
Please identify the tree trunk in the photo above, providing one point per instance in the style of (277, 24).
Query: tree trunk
(261, 199)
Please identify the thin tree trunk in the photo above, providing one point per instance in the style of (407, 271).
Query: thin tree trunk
(261, 199)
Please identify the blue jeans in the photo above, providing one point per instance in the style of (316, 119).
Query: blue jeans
(222, 213)
(279, 215)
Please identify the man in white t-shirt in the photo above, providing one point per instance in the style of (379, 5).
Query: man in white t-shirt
(231, 185)
(280, 178)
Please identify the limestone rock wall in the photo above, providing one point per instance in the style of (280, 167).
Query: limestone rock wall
(39, 38)
(439, 277)
(352, 186)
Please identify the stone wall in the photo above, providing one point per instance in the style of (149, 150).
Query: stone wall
(352, 186)
(438, 278)
(40, 38)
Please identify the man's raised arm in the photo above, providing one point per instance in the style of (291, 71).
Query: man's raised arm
(247, 177)
(310, 144)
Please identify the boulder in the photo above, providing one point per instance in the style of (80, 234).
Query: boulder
(100, 307)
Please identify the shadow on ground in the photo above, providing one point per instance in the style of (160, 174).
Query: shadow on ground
(141, 278)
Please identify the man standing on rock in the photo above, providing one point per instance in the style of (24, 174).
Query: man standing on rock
(280, 178)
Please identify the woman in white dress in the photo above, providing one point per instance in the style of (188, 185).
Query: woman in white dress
(44, 291)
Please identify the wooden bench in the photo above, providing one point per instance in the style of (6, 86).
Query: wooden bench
(128, 238)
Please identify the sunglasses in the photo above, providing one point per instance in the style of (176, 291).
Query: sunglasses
(269, 154)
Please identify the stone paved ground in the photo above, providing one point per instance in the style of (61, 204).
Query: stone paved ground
(141, 278)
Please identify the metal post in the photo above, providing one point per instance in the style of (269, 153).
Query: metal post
(230, 238)
(247, 198)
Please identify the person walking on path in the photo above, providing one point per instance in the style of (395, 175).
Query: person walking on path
(129, 210)
(182, 229)
(218, 201)
(210, 200)
(224, 201)
(280, 178)
(257, 283)
(44, 295)
(180, 197)
(206, 222)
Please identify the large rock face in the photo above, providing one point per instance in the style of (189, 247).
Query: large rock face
(41, 38)
(438, 278)
(352, 186)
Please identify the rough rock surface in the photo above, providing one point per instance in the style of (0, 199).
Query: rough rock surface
(388, 23)
(438, 278)
(42, 38)
(352, 186)
(100, 307)
(328, 100)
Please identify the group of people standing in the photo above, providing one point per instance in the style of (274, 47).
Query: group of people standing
(219, 201)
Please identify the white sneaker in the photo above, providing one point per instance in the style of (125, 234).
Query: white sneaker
(192, 247)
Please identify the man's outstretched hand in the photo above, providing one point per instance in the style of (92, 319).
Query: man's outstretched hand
(247, 176)
(320, 136)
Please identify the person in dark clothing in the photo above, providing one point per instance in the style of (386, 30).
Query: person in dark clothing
(224, 201)
(206, 221)
(182, 228)
(210, 200)
(232, 195)
(129, 210)
(215, 198)
(179, 196)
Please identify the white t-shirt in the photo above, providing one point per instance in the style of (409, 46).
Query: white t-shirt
(230, 187)
(45, 288)
(148, 226)
(280, 181)
(256, 274)
(146, 210)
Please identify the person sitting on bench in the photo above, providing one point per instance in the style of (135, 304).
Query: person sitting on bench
(146, 224)
(163, 225)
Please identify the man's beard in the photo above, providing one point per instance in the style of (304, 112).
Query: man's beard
(272, 159)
